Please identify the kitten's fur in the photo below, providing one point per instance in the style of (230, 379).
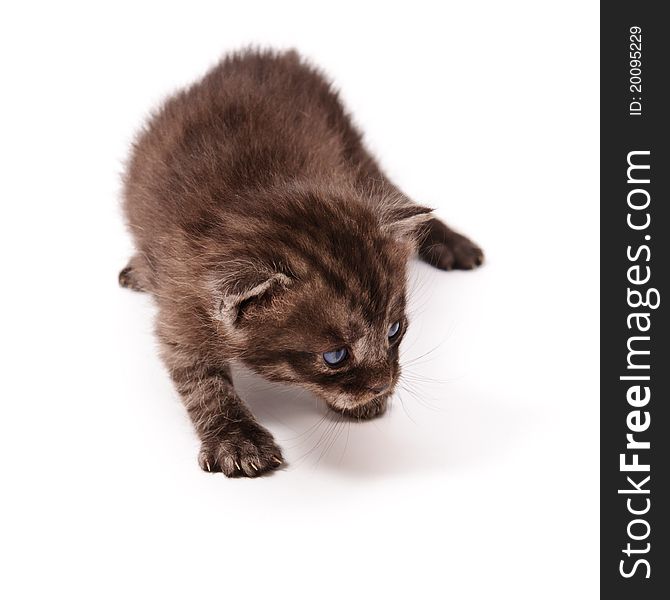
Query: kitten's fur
(267, 234)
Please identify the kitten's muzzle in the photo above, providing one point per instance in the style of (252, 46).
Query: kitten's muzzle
(380, 388)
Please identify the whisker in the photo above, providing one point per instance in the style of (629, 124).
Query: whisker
(421, 378)
(402, 403)
(333, 439)
(324, 441)
(346, 444)
(420, 398)
(305, 455)
(310, 430)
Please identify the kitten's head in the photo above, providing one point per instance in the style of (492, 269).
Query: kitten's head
(321, 301)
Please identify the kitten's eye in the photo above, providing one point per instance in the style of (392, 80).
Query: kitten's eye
(335, 357)
(394, 329)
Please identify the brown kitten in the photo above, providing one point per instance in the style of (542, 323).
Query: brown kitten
(267, 234)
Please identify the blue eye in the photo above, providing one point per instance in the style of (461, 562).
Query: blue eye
(335, 357)
(394, 329)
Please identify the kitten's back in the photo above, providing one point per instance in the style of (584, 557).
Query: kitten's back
(255, 119)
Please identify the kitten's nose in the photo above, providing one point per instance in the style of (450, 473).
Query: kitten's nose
(380, 388)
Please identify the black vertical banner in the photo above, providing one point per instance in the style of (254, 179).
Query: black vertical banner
(635, 265)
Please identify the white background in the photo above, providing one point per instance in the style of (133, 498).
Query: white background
(481, 482)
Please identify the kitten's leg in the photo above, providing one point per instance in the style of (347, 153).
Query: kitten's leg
(232, 441)
(445, 249)
(439, 245)
(135, 275)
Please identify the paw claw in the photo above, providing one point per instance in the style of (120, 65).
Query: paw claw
(248, 453)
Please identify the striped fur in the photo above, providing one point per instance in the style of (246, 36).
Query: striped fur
(267, 234)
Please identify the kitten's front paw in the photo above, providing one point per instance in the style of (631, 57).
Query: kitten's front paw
(247, 452)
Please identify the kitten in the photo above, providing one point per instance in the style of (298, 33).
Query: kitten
(267, 234)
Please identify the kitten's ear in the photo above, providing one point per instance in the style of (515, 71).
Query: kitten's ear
(403, 222)
(243, 286)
